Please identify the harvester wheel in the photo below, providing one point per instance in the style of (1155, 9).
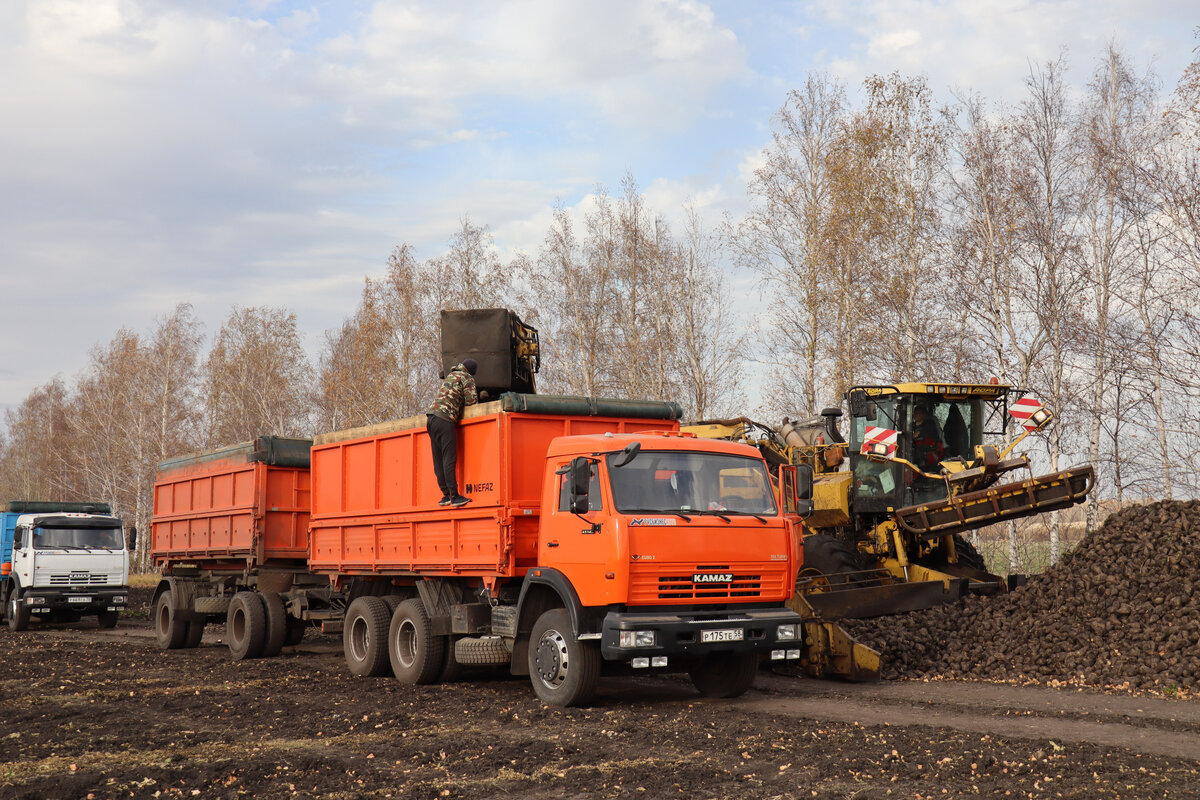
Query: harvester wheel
(724, 674)
(564, 671)
(828, 561)
(170, 630)
(365, 637)
(416, 654)
(968, 556)
(277, 618)
(246, 625)
(108, 619)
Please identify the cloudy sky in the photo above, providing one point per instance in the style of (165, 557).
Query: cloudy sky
(218, 152)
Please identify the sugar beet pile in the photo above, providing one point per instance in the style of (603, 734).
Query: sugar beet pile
(1122, 608)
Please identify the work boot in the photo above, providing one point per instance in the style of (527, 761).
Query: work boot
(460, 501)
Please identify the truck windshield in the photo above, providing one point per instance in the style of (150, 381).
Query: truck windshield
(671, 481)
(73, 538)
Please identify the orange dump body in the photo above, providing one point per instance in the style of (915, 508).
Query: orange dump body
(375, 496)
(233, 507)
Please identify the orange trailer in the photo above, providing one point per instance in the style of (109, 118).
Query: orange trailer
(230, 518)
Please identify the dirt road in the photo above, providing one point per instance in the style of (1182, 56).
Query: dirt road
(87, 714)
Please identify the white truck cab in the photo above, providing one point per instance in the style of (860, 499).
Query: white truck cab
(62, 561)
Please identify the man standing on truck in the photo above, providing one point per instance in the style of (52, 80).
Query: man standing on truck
(456, 392)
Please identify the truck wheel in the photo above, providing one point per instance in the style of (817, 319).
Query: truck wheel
(415, 653)
(724, 674)
(277, 618)
(246, 625)
(452, 669)
(295, 632)
(195, 632)
(564, 671)
(18, 612)
(170, 630)
(108, 619)
(365, 637)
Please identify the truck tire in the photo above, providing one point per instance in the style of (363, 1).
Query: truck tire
(246, 625)
(365, 637)
(108, 619)
(195, 632)
(452, 669)
(295, 632)
(724, 674)
(415, 653)
(277, 618)
(564, 671)
(170, 631)
(18, 612)
(482, 651)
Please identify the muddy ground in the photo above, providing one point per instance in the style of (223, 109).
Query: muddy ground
(90, 714)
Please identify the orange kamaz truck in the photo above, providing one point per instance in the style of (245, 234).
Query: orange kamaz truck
(598, 539)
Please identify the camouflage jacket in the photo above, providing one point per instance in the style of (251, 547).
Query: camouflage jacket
(458, 390)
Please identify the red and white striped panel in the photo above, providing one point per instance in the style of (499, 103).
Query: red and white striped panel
(1025, 408)
(879, 436)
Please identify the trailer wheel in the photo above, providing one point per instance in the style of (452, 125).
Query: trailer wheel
(564, 671)
(18, 612)
(724, 674)
(295, 632)
(195, 632)
(415, 653)
(246, 625)
(365, 637)
(170, 630)
(828, 562)
(277, 618)
(108, 619)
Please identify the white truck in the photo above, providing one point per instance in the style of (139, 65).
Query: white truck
(61, 561)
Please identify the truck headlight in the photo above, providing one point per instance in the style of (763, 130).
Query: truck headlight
(35, 601)
(119, 598)
(787, 633)
(638, 639)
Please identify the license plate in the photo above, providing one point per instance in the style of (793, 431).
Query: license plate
(79, 599)
(723, 635)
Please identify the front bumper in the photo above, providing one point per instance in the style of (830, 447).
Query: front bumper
(699, 633)
(83, 600)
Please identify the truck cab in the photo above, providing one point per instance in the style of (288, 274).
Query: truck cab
(63, 562)
(669, 552)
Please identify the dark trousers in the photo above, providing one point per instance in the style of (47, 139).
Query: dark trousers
(443, 441)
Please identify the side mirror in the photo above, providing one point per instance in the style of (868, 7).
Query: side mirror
(19, 538)
(132, 539)
(628, 454)
(580, 477)
(804, 489)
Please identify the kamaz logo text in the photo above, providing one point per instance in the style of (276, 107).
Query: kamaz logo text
(713, 577)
